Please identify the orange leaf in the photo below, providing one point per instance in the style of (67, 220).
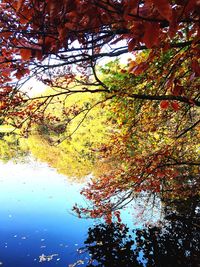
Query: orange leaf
(3, 105)
(26, 15)
(160, 174)
(131, 65)
(164, 104)
(26, 54)
(19, 5)
(163, 8)
(151, 35)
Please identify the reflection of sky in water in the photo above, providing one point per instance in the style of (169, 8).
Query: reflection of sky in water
(35, 218)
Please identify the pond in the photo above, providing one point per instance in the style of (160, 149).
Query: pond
(37, 226)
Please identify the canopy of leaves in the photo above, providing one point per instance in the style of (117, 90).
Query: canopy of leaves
(40, 35)
(152, 104)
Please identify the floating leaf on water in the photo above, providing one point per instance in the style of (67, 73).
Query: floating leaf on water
(43, 257)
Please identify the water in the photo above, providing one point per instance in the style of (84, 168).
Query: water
(36, 218)
(36, 221)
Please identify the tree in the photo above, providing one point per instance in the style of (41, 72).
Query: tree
(152, 149)
(153, 101)
(41, 36)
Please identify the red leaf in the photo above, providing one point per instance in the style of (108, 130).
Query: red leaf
(130, 7)
(130, 4)
(196, 67)
(131, 44)
(178, 90)
(163, 8)
(38, 54)
(62, 33)
(164, 104)
(6, 72)
(21, 72)
(173, 27)
(175, 106)
(140, 68)
(151, 35)
(191, 4)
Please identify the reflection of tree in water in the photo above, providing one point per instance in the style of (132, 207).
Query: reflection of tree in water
(110, 245)
(174, 245)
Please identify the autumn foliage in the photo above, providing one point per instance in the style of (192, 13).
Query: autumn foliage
(36, 29)
(153, 100)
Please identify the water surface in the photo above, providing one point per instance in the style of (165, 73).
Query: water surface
(36, 217)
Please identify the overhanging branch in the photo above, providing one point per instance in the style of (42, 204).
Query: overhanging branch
(166, 97)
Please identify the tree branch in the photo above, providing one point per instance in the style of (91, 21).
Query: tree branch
(188, 129)
(166, 97)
